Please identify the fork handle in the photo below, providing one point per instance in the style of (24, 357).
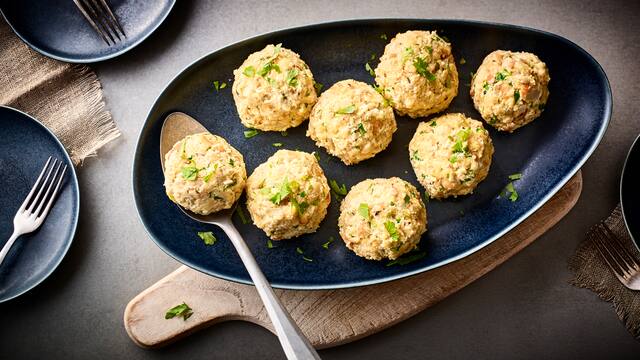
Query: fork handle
(8, 245)
(293, 341)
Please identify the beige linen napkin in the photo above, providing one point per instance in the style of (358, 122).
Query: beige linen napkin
(66, 98)
(591, 272)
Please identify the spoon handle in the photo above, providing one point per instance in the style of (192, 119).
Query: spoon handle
(293, 341)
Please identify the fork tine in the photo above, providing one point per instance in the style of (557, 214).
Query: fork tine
(615, 249)
(98, 17)
(612, 256)
(53, 194)
(34, 187)
(91, 22)
(617, 271)
(38, 198)
(47, 193)
(629, 258)
(111, 16)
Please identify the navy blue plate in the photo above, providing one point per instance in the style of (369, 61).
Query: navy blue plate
(58, 30)
(25, 145)
(629, 194)
(548, 151)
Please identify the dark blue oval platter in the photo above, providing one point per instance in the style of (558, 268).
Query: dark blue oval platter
(547, 152)
(25, 146)
(58, 30)
(629, 194)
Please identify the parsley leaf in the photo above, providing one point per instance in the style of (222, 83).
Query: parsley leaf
(391, 229)
(363, 210)
(326, 245)
(460, 146)
(285, 190)
(407, 259)
(502, 75)
(361, 129)
(516, 96)
(183, 310)
(277, 144)
(433, 123)
(369, 69)
(248, 134)
(207, 237)
(299, 251)
(249, 71)
(407, 198)
(383, 36)
(189, 172)
(338, 190)
(269, 244)
(318, 87)
(421, 68)
(516, 176)
(307, 259)
(292, 77)
(347, 110)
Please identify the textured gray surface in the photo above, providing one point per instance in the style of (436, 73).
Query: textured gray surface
(523, 309)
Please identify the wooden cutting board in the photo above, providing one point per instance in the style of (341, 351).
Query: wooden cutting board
(328, 317)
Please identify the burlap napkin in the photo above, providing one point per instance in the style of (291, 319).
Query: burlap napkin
(591, 272)
(66, 98)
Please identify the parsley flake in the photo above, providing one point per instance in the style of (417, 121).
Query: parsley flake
(392, 230)
(318, 86)
(292, 77)
(363, 210)
(326, 245)
(299, 251)
(421, 68)
(207, 237)
(338, 190)
(277, 144)
(183, 310)
(347, 110)
(248, 134)
(361, 129)
(269, 244)
(516, 176)
(249, 71)
(369, 69)
(516, 96)
(383, 36)
(285, 190)
(189, 173)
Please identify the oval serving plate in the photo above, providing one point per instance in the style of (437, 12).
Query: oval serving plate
(25, 145)
(547, 152)
(629, 195)
(58, 30)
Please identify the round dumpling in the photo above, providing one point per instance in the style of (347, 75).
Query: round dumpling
(417, 73)
(273, 89)
(382, 218)
(450, 155)
(288, 195)
(510, 89)
(352, 121)
(204, 174)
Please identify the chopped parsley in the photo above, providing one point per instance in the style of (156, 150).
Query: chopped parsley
(207, 237)
(361, 129)
(453, 158)
(292, 77)
(318, 86)
(231, 162)
(461, 146)
(511, 190)
(363, 210)
(421, 68)
(269, 244)
(300, 207)
(242, 215)
(338, 190)
(248, 134)
(347, 110)
(391, 229)
(369, 69)
(306, 259)
(266, 69)
(415, 156)
(433, 123)
(407, 198)
(494, 119)
(285, 190)
(516, 96)
(277, 144)
(516, 176)
(189, 172)
(219, 86)
(373, 56)
(383, 36)
(284, 133)
(299, 251)
(502, 75)
(407, 259)
(249, 71)
(462, 61)
(485, 86)
(326, 245)
(208, 176)
(183, 310)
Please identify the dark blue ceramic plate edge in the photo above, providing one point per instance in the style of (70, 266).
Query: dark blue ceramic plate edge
(634, 147)
(608, 109)
(72, 173)
(95, 59)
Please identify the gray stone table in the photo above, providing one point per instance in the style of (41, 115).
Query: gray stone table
(523, 309)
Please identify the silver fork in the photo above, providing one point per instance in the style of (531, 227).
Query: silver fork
(621, 261)
(101, 18)
(34, 209)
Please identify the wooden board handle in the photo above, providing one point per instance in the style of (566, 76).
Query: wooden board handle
(328, 317)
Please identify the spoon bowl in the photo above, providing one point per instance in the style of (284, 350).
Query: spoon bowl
(178, 125)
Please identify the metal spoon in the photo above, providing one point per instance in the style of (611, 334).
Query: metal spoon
(295, 345)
